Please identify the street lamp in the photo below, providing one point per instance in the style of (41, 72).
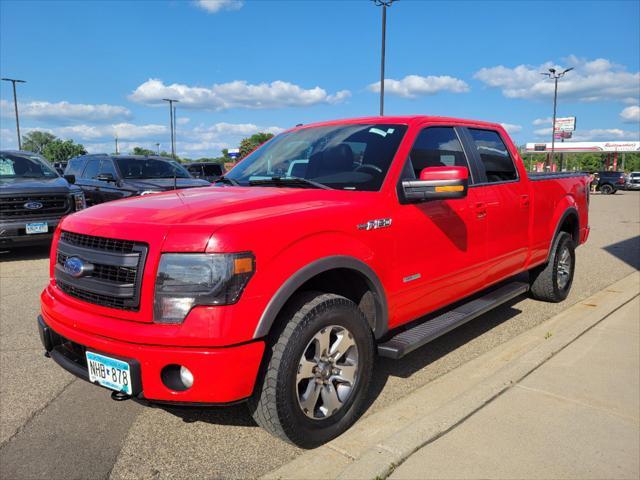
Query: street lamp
(555, 75)
(15, 105)
(384, 4)
(171, 112)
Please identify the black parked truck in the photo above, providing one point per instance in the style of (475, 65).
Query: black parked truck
(33, 199)
(110, 177)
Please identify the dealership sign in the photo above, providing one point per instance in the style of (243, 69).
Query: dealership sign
(233, 152)
(565, 124)
(576, 147)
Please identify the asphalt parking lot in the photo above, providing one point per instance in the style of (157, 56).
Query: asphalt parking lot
(55, 426)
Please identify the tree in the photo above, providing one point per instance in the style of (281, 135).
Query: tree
(36, 141)
(62, 150)
(142, 151)
(248, 145)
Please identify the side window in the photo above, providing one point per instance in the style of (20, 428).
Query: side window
(74, 167)
(107, 167)
(92, 168)
(436, 147)
(494, 156)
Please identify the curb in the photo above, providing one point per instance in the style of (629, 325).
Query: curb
(376, 445)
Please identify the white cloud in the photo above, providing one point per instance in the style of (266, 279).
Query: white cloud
(214, 6)
(236, 94)
(65, 111)
(594, 134)
(542, 121)
(631, 114)
(511, 128)
(413, 85)
(590, 81)
(183, 120)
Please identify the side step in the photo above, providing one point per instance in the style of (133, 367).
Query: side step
(409, 340)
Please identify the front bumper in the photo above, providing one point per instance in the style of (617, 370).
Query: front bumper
(13, 234)
(221, 375)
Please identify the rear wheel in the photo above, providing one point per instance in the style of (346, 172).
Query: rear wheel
(607, 189)
(318, 372)
(552, 282)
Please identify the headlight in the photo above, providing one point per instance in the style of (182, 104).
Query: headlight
(148, 192)
(188, 279)
(79, 201)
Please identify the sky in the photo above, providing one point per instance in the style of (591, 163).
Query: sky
(99, 69)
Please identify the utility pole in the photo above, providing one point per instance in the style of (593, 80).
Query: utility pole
(171, 124)
(15, 106)
(175, 129)
(384, 4)
(555, 75)
(117, 153)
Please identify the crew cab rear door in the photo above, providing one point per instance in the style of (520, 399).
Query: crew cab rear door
(505, 191)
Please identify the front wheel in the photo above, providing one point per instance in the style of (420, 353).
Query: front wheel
(552, 282)
(318, 373)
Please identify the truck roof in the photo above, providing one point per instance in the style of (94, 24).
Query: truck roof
(402, 119)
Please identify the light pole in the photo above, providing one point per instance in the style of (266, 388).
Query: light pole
(158, 148)
(384, 4)
(555, 75)
(15, 105)
(171, 112)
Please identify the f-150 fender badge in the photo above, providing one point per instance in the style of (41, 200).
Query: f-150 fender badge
(375, 224)
(411, 278)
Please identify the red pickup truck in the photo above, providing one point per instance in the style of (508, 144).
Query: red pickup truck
(330, 244)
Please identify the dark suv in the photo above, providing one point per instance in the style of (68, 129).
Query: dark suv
(610, 182)
(207, 170)
(109, 177)
(33, 199)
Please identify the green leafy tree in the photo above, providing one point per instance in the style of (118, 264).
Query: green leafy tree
(36, 141)
(249, 144)
(142, 151)
(62, 150)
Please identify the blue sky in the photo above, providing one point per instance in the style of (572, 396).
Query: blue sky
(97, 69)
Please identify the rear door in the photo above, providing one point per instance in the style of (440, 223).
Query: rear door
(507, 200)
(441, 244)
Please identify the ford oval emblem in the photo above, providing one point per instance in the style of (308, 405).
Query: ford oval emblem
(76, 267)
(33, 205)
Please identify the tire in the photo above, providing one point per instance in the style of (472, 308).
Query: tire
(552, 282)
(607, 189)
(281, 395)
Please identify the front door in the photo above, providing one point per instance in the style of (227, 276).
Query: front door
(441, 244)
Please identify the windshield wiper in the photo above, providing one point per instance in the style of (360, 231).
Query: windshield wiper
(289, 181)
(228, 181)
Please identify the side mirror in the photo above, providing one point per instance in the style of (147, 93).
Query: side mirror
(70, 178)
(437, 183)
(106, 177)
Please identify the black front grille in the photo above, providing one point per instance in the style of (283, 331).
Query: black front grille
(98, 243)
(47, 206)
(114, 275)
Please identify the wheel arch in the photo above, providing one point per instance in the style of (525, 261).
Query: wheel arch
(568, 222)
(375, 309)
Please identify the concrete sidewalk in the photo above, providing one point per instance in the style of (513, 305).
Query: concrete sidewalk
(575, 416)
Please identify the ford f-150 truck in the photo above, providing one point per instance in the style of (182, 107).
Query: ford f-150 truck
(330, 244)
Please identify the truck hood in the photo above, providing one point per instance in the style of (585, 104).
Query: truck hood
(204, 210)
(35, 185)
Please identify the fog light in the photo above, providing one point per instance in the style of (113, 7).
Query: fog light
(186, 376)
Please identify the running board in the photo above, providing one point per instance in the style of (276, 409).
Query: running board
(413, 338)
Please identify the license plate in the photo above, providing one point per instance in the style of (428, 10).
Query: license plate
(39, 227)
(109, 372)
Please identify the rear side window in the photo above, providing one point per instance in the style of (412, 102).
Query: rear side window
(107, 167)
(436, 147)
(75, 166)
(494, 156)
(211, 170)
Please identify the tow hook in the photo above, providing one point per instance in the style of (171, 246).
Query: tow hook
(119, 396)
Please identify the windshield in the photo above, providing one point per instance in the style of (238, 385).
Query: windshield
(150, 168)
(25, 166)
(345, 157)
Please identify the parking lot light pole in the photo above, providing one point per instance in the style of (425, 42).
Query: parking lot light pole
(384, 4)
(555, 75)
(171, 124)
(15, 106)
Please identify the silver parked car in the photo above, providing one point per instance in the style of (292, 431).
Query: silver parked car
(633, 181)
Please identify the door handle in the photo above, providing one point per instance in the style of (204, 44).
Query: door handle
(481, 209)
(524, 201)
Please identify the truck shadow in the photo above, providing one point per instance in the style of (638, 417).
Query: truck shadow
(627, 250)
(38, 252)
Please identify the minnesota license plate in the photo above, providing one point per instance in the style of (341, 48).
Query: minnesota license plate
(109, 372)
(39, 227)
